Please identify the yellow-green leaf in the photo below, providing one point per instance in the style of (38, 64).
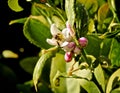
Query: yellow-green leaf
(14, 5)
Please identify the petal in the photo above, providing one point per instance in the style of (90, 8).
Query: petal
(54, 30)
(64, 44)
(66, 34)
(51, 41)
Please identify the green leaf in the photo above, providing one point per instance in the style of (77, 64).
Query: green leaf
(14, 5)
(117, 90)
(89, 86)
(41, 63)
(105, 47)
(115, 52)
(58, 64)
(70, 12)
(91, 5)
(99, 75)
(111, 79)
(28, 64)
(81, 20)
(93, 44)
(21, 20)
(36, 30)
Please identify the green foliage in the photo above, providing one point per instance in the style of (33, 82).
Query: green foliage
(14, 5)
(90, 71)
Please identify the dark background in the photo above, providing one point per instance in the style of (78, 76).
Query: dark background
(12, 38)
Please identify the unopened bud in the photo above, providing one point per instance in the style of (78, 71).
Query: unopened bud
(68, 56)
(83, 42)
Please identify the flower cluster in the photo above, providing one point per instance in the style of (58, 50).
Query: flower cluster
(65, 40)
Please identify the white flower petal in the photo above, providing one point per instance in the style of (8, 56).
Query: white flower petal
(66, 34)
(51, 41)
(54, 30)
(64, 44)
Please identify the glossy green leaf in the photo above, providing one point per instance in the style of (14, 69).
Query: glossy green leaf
(28, 64)
(93, 45)
(115, 52)
(89, 86)
(91, 5)
(36, 30)
(99, 75)
(111, 79)
(70, 12)
(40, 65)
(14, 5)
(21, 20)
(81, 20)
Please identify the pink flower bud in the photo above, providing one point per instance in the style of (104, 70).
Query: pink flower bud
(68, 56)
(83, 42)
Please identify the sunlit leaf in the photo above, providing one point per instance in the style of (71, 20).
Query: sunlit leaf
(111, 79)
(69, 9)
(37, 31)
(58, 64)
(99, 75)
(14, 5)
(89, 86)
(21, 20)
(40, 65)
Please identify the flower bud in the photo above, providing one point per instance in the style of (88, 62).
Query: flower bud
(69, 47)
(68, 56)
(83, 42)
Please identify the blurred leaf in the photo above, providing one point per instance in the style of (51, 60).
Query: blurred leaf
(101, 2)
(115, 52)
(28, 64)
(81, 20)
(21, 20)
(93, 44)
(40, 65)
(103, 12)
(89, 86)
(111, 79)
(58, 64)
(117, 90)
(112, 5)
(6, 73)
(14, 5)
(99, 75)
(91, 5)
(9, 54)
(70, 12)
(37, 31)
